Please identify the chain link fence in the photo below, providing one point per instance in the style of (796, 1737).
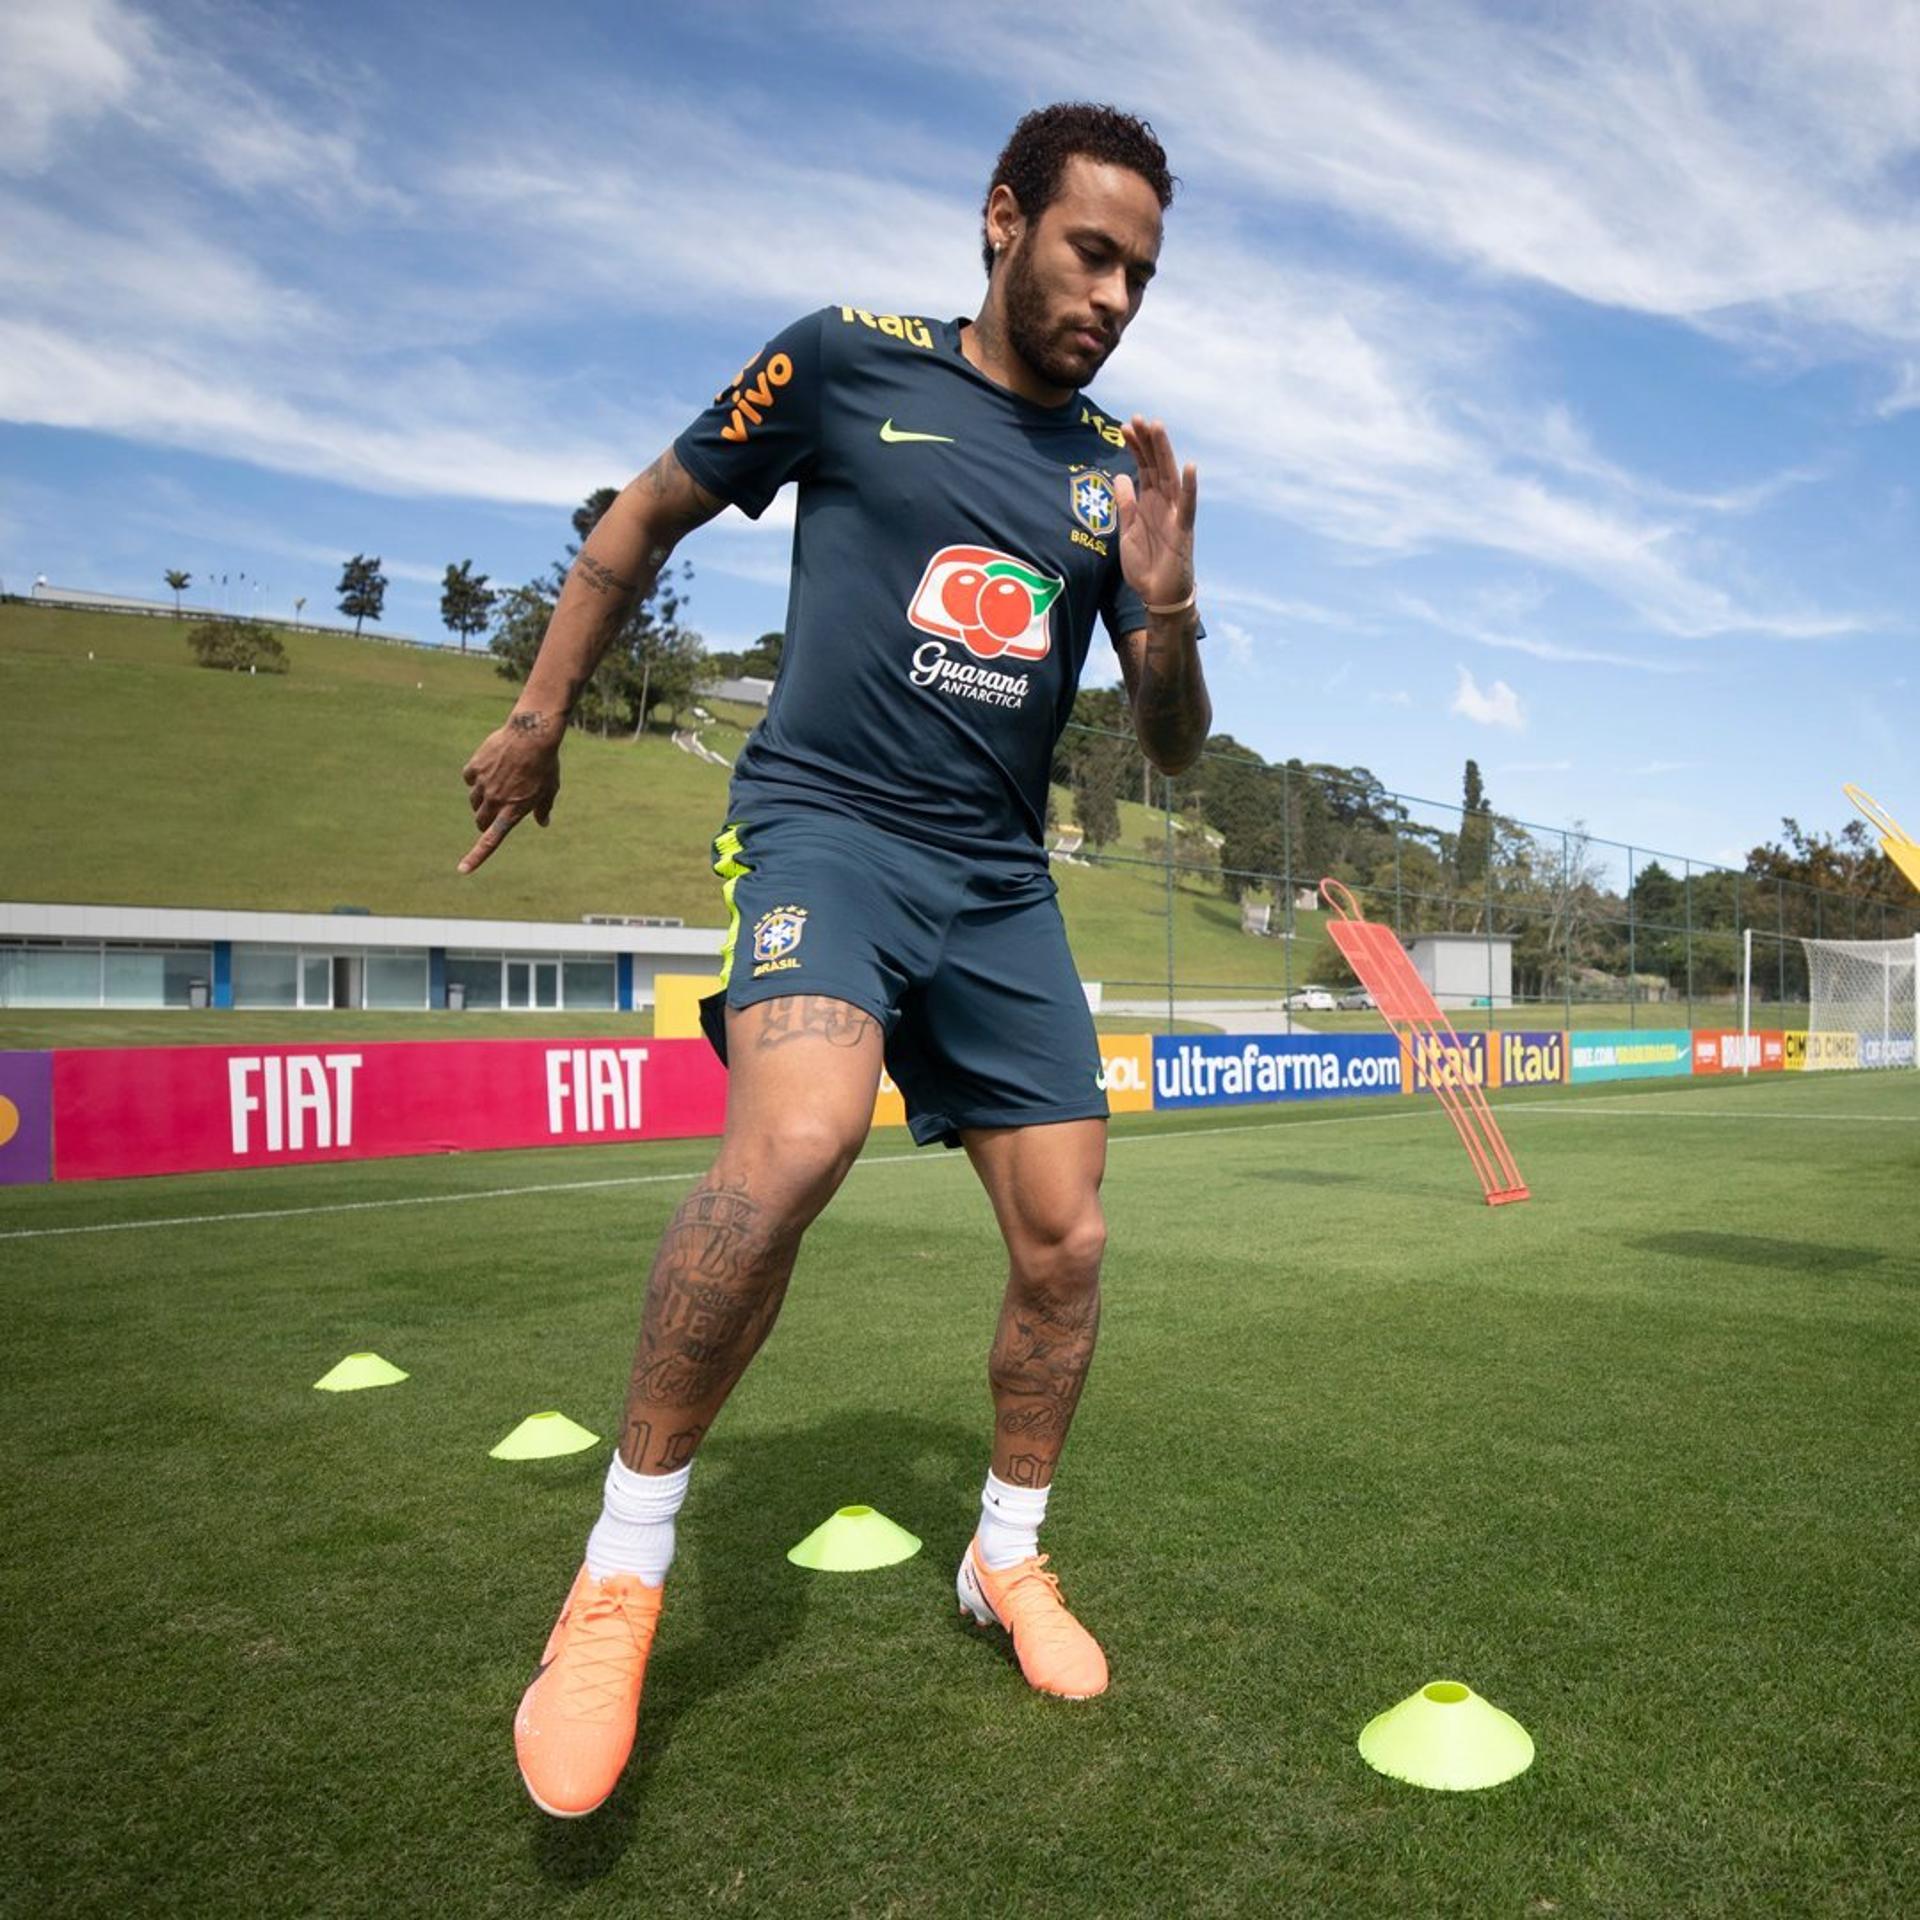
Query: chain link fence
(1194, 901)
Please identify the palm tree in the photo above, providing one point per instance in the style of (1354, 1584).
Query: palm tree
(179, 582)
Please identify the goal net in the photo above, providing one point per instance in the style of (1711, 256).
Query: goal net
(1863, 997)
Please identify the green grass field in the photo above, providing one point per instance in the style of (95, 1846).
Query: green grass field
(1635, 1460)
(34, 1028)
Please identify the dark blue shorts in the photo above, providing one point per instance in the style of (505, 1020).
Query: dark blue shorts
(964, 963)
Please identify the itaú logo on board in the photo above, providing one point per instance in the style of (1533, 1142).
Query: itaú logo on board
(287, 1103)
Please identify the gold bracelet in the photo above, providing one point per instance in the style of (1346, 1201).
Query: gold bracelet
(1176, 606)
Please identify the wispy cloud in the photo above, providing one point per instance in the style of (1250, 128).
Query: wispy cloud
(184, 284)
(175, 510)
(1597, 153)
(1743, 167)
(62, 62)
(1241, 645)
(1496, 705)
(1468, 628)
(1287, 612)
(1905, 392)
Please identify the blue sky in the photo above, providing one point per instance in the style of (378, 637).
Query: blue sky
(1553, 372)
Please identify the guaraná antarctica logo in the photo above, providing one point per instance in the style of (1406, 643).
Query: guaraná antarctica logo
(993, 604)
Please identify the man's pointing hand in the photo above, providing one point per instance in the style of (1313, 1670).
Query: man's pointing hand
(515, 772)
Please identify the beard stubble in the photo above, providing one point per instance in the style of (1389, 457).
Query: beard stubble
(1029, 333)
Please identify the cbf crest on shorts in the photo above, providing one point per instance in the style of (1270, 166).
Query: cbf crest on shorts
(1093, 504)
(775, 936)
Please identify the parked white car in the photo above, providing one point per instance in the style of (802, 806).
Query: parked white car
(1308, 1000)
(1357, 1000)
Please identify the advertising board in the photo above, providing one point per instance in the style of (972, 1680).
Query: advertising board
(126, 1111)
(1467, 1060)
(26, 1118)
(1246, 1069)
(1629, 1054)
(1532, 1059)
(1720, 1051)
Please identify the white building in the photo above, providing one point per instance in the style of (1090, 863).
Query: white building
(1466, 969)
(74, 956)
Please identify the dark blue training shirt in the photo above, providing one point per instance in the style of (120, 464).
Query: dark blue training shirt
(952, 545)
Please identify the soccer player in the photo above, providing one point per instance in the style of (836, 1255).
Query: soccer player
(964, 511)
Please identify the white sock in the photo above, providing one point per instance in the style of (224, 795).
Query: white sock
(634, 1533)
(1009, 1522)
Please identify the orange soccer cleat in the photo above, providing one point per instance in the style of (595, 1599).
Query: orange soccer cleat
(1057, 1654)
(575, 1726)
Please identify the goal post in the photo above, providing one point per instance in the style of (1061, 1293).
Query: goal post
(1863, 1002)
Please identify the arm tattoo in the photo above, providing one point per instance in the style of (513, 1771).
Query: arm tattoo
(1171, 712)
(1158, 699)
(529, 723)
(808, 1014)
(601, 579)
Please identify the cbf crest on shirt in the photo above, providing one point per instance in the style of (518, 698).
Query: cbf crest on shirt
(952, 547)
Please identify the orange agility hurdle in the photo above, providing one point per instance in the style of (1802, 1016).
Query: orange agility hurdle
(1380, 962)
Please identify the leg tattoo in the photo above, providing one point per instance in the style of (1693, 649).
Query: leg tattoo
(1038, 1365)
(812, 1016)
(715, 1291)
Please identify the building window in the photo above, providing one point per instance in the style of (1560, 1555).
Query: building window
(396, 980)
(533, 983)
(154, 976)
(479, 974)
(316, 979)
(50, 976)
(135, 979)
(266, 977)
(589, 983)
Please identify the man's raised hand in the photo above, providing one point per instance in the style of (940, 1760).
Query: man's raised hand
(1156, 516)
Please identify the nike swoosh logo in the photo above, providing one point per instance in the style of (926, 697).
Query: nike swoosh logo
(894, 436)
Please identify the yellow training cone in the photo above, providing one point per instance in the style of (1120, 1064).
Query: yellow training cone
(359, 1370)
(854, 1540)
(1447, 1737)
(544, 1436)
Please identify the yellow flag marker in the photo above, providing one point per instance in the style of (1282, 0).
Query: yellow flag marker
(359, 1370)
(854, 1540)
(544, 1436)
(1447, 1737)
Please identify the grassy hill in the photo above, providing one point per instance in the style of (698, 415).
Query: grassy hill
(138, 778)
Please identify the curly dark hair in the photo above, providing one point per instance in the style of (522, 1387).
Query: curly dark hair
(1038, 149)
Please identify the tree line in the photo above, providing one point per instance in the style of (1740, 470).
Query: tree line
(1582, 922)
